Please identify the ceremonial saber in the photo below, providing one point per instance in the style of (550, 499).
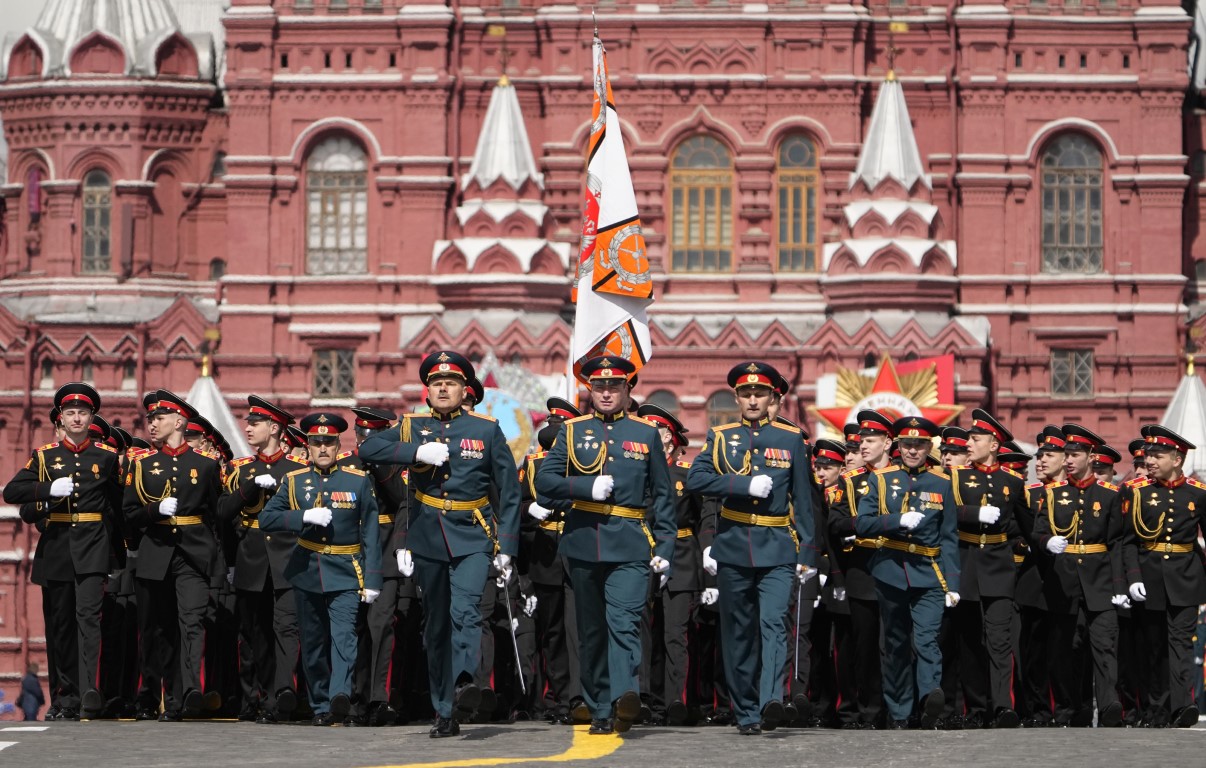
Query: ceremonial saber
(796, 655)
(514, 642)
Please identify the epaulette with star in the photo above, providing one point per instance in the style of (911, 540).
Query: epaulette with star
(106, 447)
(48, 446)
(787, 427)
(852, 473)
(483, 416)
(242, 461)
(834, 493)
(353, 470)
(1110, 486)
(1015, 473)
(1195, 483)
(683, 464)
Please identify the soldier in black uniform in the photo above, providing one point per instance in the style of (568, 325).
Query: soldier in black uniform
(75, 486)
(853, 556)
(171, 495)
(1080, 525)
(375, 626)
(991, 499)
(264, 597)
(1164, 565)
(119, 614)
(1105, 461)
(832, 671)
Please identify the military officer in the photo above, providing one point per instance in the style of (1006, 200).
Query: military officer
(74, 485)
(335, 565)
(171, 496)
(853, 555)
(760, 468)
(612, 468)
(455, 457)
(375, 626)
(264, 596)
(909, 512)
(1164, 565)
(991, 499)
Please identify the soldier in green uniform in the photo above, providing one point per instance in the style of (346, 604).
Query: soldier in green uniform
(612, 469)
(1164, 565)
(760, 469)
(335, 565)
(455, 457)
(171, 497)
(909, 511)
(74, 486)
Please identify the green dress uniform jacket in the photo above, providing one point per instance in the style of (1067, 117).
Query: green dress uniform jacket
(629, 449)
(70, 545)
(928, 555)
(352, 499)
(1160, 540)
(732, 454)
(1090, 516)
(451, 516)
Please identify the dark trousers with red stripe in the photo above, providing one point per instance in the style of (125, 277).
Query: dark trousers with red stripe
(673, 614)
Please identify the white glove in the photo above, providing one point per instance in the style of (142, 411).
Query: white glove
(502, 564)
(62, 486)
(529, 606)
(1121, 601)
(434, 454)
(167, 507)
(539, 512)
(265, 481)
(839, 594)
(760, 486)
(710, 596)
(514, 625)
(804, 573)
(1056, 544)
(952, 599)
(990, 514)
(131, 553)
(230, 575)
(1138, 592)
(602, 487)
(709, 563)
(823, 578)
(370, 595)
(910, 520)
(848, 539)
(317, 516)
(406, 562)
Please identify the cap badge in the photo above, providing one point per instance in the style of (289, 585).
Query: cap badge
(752, 367)
(443, 358)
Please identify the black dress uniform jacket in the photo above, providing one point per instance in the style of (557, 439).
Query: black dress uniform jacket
(852, 560)
(1160, 540)
(257, 552)
(1091, 516)
(690, 510)
(987, 568)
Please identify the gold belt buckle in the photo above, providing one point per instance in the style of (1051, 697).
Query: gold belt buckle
(753, 519)
(912, 548)
(326, 550)
(172, 519)
(1168, 546)
(1082, 548)
(447, 505)
(607, 509)
(879, 542)
(75, 518)
(983, 539)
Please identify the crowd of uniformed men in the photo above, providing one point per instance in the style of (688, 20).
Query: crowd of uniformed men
(905, 577)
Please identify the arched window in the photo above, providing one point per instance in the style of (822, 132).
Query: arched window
(337, 208)
(722, 408)
(665, 399)
(98, 202)
(799, 184)
(701, 192)
(1072, 192)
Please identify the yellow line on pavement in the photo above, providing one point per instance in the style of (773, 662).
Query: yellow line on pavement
(584, 747)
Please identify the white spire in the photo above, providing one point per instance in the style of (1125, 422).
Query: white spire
(1186, 415)
(890, 149)
(503, 150)
(209, 402)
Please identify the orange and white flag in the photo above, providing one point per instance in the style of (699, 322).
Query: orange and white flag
(614, 285)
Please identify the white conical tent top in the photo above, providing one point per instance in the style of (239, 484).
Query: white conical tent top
(138, 26)
(209, 402)
(1186, 415)
(890, 149)
(503, 150)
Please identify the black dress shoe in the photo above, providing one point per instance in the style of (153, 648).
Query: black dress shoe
(249, 714)
(286, 703)
(898, 725)
(601, 726)
(935, 700)
(790, 713)
(51, 714)
(626, 709)
(146, 714)
(324, 719)
(753, 729)
(212, 701)
(68, 713)
(803, 706)
(444, 727)
(676, 713)
(194, 702)
(92, 704)
(381, 714)
(267, 717)
(1007, 718)
(464, 703)
(340, 706)
(1186, 717)
(578, 712)
(772, 715)
(1083, 718)
(487, 703)
(1111, 716)
(171, 717)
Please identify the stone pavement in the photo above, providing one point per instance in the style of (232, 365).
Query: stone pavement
(202, 744)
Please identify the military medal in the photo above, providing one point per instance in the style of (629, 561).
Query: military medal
(96, 471)
(192, 473)
(1097, 509)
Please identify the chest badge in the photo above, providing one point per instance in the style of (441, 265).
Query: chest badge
(971, 484)
(58, 464)
(96, 471)
(192, 474)
(1097, 509)
(155, 470)
(424, 431)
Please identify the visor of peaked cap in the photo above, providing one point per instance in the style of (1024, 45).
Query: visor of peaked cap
(754, 373)
(661, 417)
(1158, 435)
(1080, 438)
(561, 407)
(1013, 457)
(56, 413)
(475, 389)
(259, 407)
(445, 362)
(373, 418)
(874, 421)
(150, 400)
(100, 428)
(125, 438)
(294, 436)
(783, 386)
(954, 439)
(76, 394)
(607, 367)
(200, 424)
(1051, 439)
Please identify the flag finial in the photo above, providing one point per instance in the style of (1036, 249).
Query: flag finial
(595, 22)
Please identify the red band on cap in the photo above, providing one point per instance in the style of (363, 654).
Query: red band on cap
(1052, 440)
(1161, 440)
(1081, 439)
(1138, 453)
(958, 441)
(875, 425)
(988, 426)
(854, 437)
(444, 369)
(321, 429)
(562, 413)
(73, 397)
(825, 453)
(754, 379)
(169, 405)
(663, 422)
(1101, 458)
(266, 414)
(96, 428)
(192, 427)
(372, 423)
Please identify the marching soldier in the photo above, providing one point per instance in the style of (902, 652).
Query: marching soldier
(1105, 460)
(1137, 450)
(991, 499)
(953, 448)
(74, 485)
(1164, 564)
(449, 539)
(764, 537)
(171, 496)
(910, 514)
(1080, 525)
(264, 596)
(335, 564)
(612, 469)
(832, 665)
(853, 554)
